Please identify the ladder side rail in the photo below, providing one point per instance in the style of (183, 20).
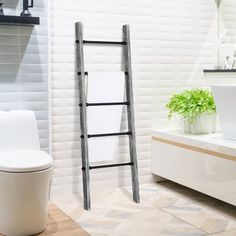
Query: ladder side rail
(83, 115)
(130, 113)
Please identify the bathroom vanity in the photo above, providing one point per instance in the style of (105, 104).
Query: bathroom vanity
(206, 163)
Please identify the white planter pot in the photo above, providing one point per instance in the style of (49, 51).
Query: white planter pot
(203, 124)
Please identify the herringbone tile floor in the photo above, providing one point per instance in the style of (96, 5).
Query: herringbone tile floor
(165, 209)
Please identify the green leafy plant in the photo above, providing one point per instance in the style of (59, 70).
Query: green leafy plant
(191, 103)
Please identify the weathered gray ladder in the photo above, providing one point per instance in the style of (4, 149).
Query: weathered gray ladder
(83, 113)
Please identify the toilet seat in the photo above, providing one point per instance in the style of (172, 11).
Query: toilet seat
(25, 161)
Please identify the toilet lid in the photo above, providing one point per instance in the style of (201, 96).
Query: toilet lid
(25, 161)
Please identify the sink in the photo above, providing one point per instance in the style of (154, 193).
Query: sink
(225, 99)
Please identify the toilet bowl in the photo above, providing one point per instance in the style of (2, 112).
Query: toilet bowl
(25, 175)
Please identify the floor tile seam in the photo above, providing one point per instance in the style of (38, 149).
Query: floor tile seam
(163, 210)
(214, 210)
(205, 232)
(198, 227)
(198, 202)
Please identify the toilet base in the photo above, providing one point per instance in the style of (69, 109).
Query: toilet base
(24, 202)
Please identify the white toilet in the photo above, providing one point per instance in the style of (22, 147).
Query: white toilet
(25, 175)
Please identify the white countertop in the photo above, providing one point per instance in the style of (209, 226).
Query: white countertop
(213, 142)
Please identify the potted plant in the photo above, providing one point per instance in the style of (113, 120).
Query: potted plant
(196, 109)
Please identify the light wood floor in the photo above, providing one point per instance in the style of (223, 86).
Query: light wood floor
(60, 224)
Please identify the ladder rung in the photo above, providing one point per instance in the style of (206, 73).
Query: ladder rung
(106, 104)
(85, 73)
(106, 135)
(109, 165)
(103, 42)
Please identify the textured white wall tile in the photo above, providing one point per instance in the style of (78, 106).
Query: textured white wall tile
(172, 41)
(24, 66)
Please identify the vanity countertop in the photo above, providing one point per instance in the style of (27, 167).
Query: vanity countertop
(208, 142)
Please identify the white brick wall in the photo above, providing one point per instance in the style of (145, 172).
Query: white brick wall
(24, 66)
(227, 19)
(172, 41)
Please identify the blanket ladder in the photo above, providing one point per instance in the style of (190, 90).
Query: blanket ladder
(86, 167)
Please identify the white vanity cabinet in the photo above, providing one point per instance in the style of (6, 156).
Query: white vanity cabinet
(206, 163)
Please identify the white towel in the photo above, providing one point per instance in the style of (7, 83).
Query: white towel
(104, 87)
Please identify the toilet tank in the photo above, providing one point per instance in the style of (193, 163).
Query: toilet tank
(18, 130)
